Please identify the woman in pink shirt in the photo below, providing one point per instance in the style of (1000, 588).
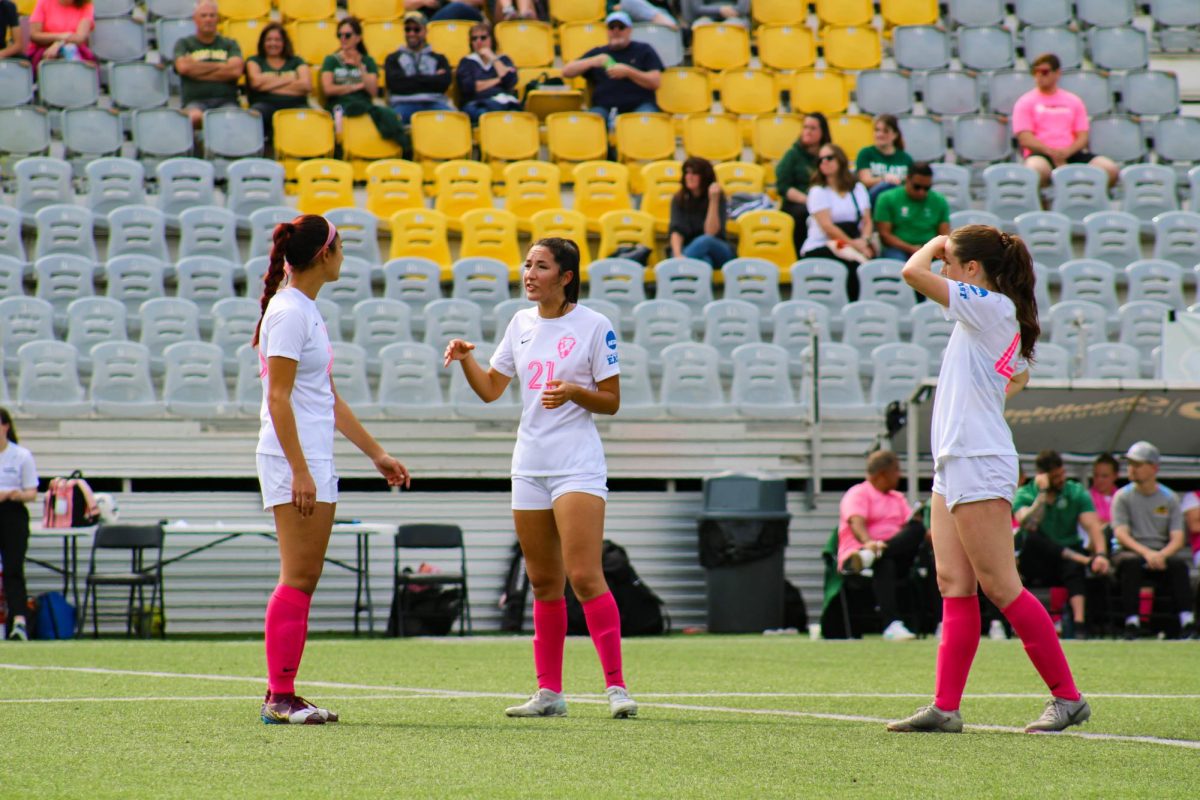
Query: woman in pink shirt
(60, 29)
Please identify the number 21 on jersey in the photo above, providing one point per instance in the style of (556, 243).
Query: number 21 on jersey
(538, 368)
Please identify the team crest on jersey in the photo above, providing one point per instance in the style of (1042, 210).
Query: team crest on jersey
(565, 345)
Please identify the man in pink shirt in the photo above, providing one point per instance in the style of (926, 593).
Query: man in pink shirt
(1051, 124)
(872, 534)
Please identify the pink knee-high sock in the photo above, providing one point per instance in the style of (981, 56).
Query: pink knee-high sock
(604, 624)
(960, 640)
(549, 635)
(1031, 622)
(286, 631)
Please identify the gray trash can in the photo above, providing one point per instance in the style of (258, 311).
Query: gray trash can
(743, 532)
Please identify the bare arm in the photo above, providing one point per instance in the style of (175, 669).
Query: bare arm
(1126, 540)
(1033, 144)
(712, 219)
(824, 219)
(348, 425)
(858, 526)
(868, 178)
(19, 495)
(574, 69)
(604, 399)
(82, 32)
(1174, 544)
(260, 81)
(918, 272)
(16, 47)
(890, 239)
(302, 84)
(1016, 383)
(676, 244)
(331, 89)
(797, 196)
(1095, 531)
(371, 83)
(647, 79)
(1080, 142)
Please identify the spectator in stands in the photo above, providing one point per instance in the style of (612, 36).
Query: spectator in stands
(839, 222)
(10, 22)
(519, 9)
(699, 11)
(793, 173)
(1050, 510)
(1104, 486)
(1189, 504)
(61, 29)
(18, 486)
(873, 534)
(624, 74)
(698, 214)
(656, 12)
(1148, 525)
(209, 65)
(884, 165)
(276, 77)
(1051, 124)
(485, 80)
(909, 218)
(417, 77)
(350, 81)
(446, 9)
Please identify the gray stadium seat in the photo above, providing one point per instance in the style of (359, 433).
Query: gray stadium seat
(48, 384)
(1073, 320)
(1158, 281)
(174, 9)
(868, 324)
(447, 319)
(1079, 190)
(1044, 12)
(232, 133)
(484, 282)
(68, 84)
(981, 138)
(262, 227)
(1090, 280)
(1047, 234)
(1092, 88)
(505, 310)
(976, 12)
(121, 385)
(120, 40)
(920, 48)
(65, 230)
(24, 132)
(204, 280)
(762, 388)
(114, 183)
(1142, 327)
(1111, 361)
(169, 30)
(90, 133)
(208, 231)
(467, 404)
(1010, 190)
(12, 277)
(161, 133)
(822, 280)
(23, 319)
(331, 312)
(1005, 87)
(879, 279)
(1051, 362)
(883, 91)
(183, 183)
(754, 280)
(1119, 48)
(1118, 137)
(838, 382)
(254, 269)
(619, 281)
(165, 321)
(985, 49)
(973, 217)
(1177, 238)
(1105, 13)
(954, 183)
(1061, 41)
(61, 279)
(16, 83)
(951, 93)
(1148, 190)
(931, 330)
(416, 281)
(41, 182)
(924, 137)
(233, 322)
(729, 324)
(794, 322)
(1113, 237)
(92, 320)
(1041, 286)
(638, 400)
(898, 370)
(359, 232)
(138, 84)
(658, 324)
(691, 386)
(688, 280)
(248, 387)
(138, 230)
(1194, 188)
(377, 323)
(408, 382)
(1176, 24)
(251, 184)
(11, 244)
(353, 284)
(194, 385)
(134, 279)
(666, 42)
(1150, 93)
(607, 309)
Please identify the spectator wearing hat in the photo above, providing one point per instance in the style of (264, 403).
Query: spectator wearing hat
(1148, 525)
(700, 11)
(624, 74)
(441, 9)
(417, 77)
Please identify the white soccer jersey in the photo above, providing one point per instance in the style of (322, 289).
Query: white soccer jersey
(17, 470)
(984, 352)
(579, 347)
(293, 328)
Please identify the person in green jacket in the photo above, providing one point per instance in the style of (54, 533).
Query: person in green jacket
(795, 169)
(350, 80)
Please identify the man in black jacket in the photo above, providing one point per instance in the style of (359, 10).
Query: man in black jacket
(417, 77)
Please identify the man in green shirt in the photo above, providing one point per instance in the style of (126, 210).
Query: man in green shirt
(908, 219)
(209, 65)
(1051, 510)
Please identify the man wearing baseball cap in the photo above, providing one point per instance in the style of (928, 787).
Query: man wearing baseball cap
(623, 74)
(1148, 525)
(417, 77)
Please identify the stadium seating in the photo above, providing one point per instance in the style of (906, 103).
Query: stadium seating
(565, 224)
(48, 383)
(637, 392)
(208, 231)
(415, 281)
(761, 387)
(359, 232)
(461, 186)
(300, 134)
(1079, 190)
(921, 48)
(64, 230)
(90, 321)
(362, 145)
(251, 184)
(600, 187)
(719, 46)
(688, 281)
(625, 228)
(786, 47)
(262, 227)
(767, 235)
(508, 136)
(184, 183)
(897, 369)
(1112, 236)
(1177, 237)
(1158, 281)
(408, 381)
(868, 324)
(379, 322)
(728, 324)
(691, 385)
(447, 36)
(530, 187)
(322, 184)
(579, 36)
(528, 43)
(492, 233)
(120, 384)
(574, 137)
(394, 185)
(852, 48)
(620, 282)
(754, 280)
(1148, 190)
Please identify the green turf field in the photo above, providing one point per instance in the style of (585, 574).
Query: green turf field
(736, 717)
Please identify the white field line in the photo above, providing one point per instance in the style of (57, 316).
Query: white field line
(449, 694)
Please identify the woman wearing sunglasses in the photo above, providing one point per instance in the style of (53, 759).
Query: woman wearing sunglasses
(839, 222)
(485, 80)
(350, 82)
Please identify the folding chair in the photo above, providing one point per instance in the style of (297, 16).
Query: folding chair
(144, 544)
(429, 537)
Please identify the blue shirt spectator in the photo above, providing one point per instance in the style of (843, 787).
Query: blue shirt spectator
(486, 82)
(624, 74)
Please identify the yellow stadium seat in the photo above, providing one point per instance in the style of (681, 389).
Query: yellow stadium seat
(307, 10)
(774, 134)
(440, 136)
(544, 102)
(324, 183)
(600, 187)
(748, 93)
(564, 224)
(506, 136)
(302, 133)
(660, 181)
(362, 144)
(382, 37)
(394, 185)
(461, 186)
(246, 9)
(246, 32)
(712, 136)
(852, 133)
(576, 38)
(375, 10)
(492, 233)
(786, 48)
(683, 91)
(528, 43)
(450, 37)
(576, 11)
(421, 233)
(852, 47)
(720, 46)
(312, 40)
(576, 136)
(621, 228)
(909, 12)
(786, 12)
(641, 138)
(530, 187)
(845, 12)
(767, 235)
(823, 90)
(740, 176)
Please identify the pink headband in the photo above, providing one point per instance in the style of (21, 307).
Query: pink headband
(287, 268)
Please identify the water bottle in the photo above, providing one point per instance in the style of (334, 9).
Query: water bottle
(70, 51)
(337, 120)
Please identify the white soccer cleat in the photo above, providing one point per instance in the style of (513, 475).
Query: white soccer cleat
(896, 632)
(620, 704)
(996, 631)
(544, 703)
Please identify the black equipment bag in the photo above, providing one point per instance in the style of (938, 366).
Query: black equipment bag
(642, 611)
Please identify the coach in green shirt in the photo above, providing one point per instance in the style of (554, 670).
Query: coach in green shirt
(1051, 510)
(908, 219)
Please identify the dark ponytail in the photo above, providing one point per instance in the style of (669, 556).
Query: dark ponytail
(1006, 262)
(6, 418)
(566, 256)
(296, 246)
